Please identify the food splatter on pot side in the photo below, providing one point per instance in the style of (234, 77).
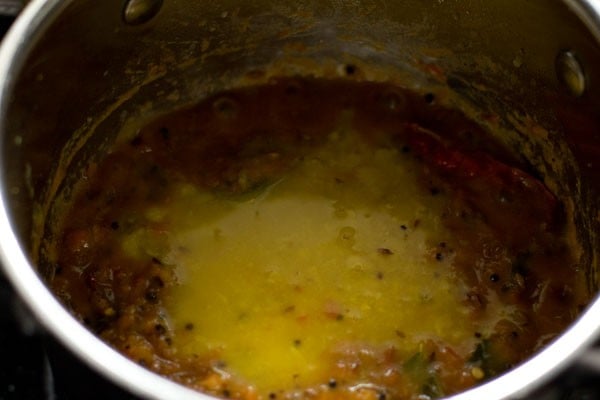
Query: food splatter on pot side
(313, 238)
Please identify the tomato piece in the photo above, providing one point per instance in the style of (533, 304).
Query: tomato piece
(512, 202)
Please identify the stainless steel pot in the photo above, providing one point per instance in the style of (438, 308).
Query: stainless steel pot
(74, 72)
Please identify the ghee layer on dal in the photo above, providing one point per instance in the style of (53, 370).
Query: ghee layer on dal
(318, 239)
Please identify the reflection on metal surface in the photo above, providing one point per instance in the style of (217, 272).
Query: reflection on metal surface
(569, 72)
(11, 7)
(137, 12)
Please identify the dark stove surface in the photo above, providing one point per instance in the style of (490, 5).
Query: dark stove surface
(24, 372)
(34, 366)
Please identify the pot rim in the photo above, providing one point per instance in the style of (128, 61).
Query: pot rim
(15, 47)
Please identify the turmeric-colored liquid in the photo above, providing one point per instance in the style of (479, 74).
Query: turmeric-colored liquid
(336, 252)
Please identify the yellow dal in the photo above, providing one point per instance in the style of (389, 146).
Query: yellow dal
(273, 282)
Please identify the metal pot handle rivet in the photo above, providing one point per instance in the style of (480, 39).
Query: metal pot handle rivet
(137, 12)
(570, 73)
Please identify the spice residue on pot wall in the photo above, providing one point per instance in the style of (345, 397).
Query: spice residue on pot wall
(317, 238)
